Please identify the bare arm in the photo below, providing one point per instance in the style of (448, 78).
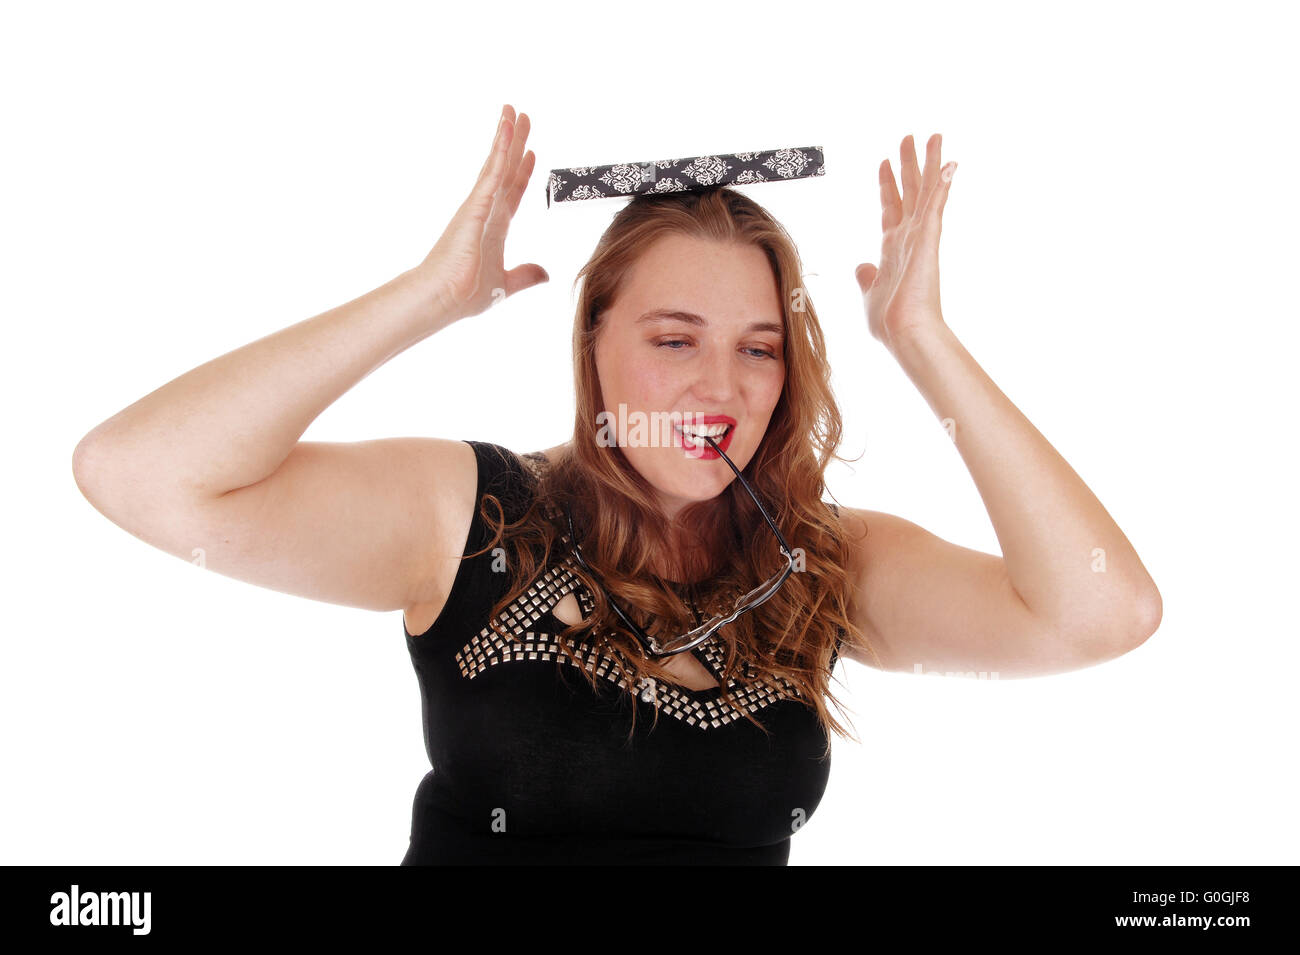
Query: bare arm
(212, 460)
(1071, 590)
(232, 421)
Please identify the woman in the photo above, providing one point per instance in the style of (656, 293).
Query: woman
(624, 643)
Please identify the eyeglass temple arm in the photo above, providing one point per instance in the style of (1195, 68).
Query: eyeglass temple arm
(647, 641)
(577, 552)
(785, 548)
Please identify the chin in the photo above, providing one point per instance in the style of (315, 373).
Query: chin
(689, 480)
(693, 494)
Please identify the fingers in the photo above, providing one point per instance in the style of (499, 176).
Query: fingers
(891, 206)
(510, 194)
(918, 187)
(520, 171)
(521, 183)
(931, 176)
(489, 177)
(517, 140)
(866, 276)
(945, 176)
(938, 198)
(492, 151)
(524, 276)
(911, 175)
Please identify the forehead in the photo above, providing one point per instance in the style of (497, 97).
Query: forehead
(721, 280)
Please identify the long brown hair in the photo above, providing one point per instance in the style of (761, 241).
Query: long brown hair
(622, 533)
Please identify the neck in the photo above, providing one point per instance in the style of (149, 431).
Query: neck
(689, 561)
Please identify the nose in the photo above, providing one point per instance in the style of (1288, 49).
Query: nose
(715, 382)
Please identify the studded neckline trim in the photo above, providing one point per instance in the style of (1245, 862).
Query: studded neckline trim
(701, 708)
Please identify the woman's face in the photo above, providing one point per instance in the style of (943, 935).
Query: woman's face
(729, 361)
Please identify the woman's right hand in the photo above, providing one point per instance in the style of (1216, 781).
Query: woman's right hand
(467, 265)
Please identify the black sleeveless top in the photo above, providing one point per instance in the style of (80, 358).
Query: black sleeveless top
(531, 766)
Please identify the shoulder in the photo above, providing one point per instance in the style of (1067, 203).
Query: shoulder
(873, 538)
(551, 455)
(875, 541)
(503, 474)
(538, 462)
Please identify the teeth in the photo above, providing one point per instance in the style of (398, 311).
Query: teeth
(709, 430)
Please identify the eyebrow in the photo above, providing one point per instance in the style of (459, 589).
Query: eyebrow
(673, 314)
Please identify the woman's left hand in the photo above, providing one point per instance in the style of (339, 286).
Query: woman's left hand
(902, 295)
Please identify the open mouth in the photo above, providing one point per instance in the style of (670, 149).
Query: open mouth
(693, 438)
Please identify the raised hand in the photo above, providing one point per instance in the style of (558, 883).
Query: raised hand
(467, 263)
(902, 295)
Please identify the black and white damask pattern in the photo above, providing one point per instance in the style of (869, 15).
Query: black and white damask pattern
(700, 708)
(683, 175)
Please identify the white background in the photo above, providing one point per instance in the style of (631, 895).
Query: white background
(1118, 253)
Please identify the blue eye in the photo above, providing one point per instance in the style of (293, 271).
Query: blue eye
(760, 352)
